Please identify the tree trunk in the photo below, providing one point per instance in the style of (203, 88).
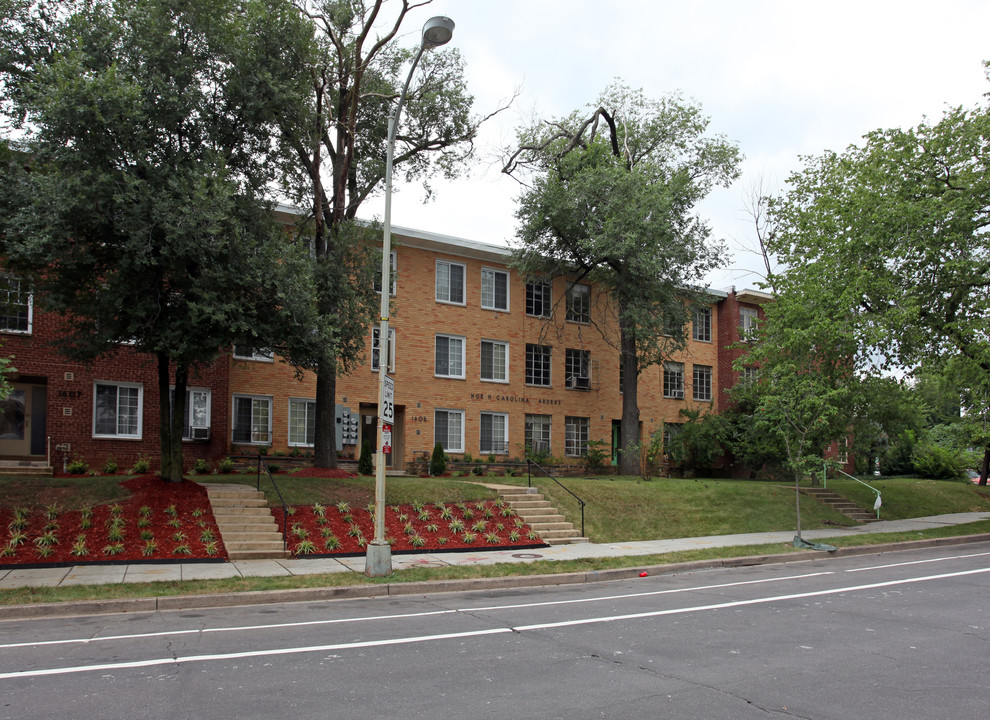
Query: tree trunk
(986, 466)
(324, 450)
(171, 411)
(629, 450)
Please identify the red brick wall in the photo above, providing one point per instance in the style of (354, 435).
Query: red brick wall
(70, 392)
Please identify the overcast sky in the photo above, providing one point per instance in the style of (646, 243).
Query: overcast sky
(782, 79)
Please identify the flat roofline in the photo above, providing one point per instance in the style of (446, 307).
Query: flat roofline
(755, 297)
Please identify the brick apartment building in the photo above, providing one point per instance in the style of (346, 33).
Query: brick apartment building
(483, 363)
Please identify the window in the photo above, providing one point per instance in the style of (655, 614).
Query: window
(302, 422)
(196, 424)
(702, 386)
(448, 429)
(748, 320)
(16, 305)
(252, 419)
(538, 365)
(117, 410)
(376, 333)
(449, 356)
(576, 431)
(537, 438)
(579, 303)
(450, 282)
(246, 352)
(494, 433)
(750, 374)
(538, 298)
(843, 455)
(494, 289)
(673, 380)
(701, 328)
(670, 433)
(392, 276)
(577, 369)
(494, 361)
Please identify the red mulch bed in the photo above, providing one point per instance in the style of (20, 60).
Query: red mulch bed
(177, 516)
(341, 530)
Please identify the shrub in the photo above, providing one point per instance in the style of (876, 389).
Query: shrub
(934, 461)
(201, 467)
(77, 466)
(110, 466)
(141, 466)
(365, 466)
(225, 466)
(438, 462)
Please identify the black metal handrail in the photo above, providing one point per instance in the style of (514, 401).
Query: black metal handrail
(262, 465)
(529, 480)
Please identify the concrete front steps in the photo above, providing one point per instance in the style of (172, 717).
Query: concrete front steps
(247, 526)
(25, 467)
(536, 512)
(837, 502)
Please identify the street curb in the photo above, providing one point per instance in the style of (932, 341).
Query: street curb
(265, 597)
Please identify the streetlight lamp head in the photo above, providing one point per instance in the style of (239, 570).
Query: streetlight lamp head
(437, 31)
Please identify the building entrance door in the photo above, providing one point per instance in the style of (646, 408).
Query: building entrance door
(22, 421)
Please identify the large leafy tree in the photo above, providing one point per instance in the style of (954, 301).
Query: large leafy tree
(330, 73)
(895, 234)
(136, 206)
(609, 197)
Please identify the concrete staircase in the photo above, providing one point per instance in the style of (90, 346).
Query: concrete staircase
(536, 512)
(837, 502)
(247, 526)
(25, 467)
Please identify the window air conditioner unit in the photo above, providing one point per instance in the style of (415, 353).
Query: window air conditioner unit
(579, 383)
(200, 433)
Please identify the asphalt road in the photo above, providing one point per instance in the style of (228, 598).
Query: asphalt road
(900, 635)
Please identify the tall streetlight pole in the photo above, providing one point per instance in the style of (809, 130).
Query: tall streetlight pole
(436, 32)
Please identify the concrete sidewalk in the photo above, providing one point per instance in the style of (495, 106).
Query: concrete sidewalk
(100, 574)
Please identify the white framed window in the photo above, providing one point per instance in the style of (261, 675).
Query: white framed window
(494, 433)
(16, 305)
(750, 374)
(701, 326)
(843, 451)
(539, 301)
(673, 380)
(450, 282)
(537, 439)
(576, 433)
(577, 369)
(749, 319)
(538, 364)
(670, 433)
(579, 303)
(196, 422)
(246, 352)
(495, 361)
(117, 409)
(252, 419)
(494, 289)
(449, 356)
(393, 275)
(376, 333)
(701, 388)
(448, 429)
(302, 422)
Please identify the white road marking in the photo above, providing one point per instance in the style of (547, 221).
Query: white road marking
(277, 626)
(919, 562)
(476, 633)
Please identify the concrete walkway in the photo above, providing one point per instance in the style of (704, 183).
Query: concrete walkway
(100, 574)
